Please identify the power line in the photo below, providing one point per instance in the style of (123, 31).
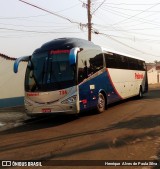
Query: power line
(53, 13)
(23, 17)
(122, 43)
(130, 4)
(124, 15)
(32, 31)
(156, 41)
(133, 33)
(40, 26)
(128, 9)
(137, 14)
(98, 7)
(60, 16)
(68, 8)
(107, 28)
(81, 1)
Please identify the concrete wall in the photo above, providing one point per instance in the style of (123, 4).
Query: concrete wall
(153, 76)
(11, 84)
(158, 77)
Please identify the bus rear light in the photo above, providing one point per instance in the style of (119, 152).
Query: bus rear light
(70, 100)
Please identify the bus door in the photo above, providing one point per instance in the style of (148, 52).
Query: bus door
(84, 94)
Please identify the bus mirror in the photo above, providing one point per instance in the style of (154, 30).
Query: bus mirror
(18, 60)
(73, 55)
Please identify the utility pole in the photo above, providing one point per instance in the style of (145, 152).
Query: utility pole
(89, 20)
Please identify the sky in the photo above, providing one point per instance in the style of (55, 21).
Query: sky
(126, 26)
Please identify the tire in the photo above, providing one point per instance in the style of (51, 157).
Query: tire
(101, 103)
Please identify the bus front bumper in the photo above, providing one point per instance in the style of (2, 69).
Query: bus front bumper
(54, 109)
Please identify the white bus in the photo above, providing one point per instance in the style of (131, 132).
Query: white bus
(70, 75)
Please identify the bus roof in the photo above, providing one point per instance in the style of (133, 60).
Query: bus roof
(120, 53)
(66, 43)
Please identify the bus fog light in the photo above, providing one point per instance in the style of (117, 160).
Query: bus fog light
(70, 100)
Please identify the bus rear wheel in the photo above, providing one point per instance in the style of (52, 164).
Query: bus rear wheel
(101, 103)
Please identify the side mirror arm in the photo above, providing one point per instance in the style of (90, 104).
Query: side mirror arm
(73, 55)
(18, 60)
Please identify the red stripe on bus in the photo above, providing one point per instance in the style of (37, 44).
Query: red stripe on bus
(113, 84)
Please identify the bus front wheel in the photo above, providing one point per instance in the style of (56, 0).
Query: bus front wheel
(101, 103)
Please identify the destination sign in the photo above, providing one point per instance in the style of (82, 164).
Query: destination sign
(53, 52)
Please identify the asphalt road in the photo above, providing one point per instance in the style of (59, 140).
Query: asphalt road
(128, 130)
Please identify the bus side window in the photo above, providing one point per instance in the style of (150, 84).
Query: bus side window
(118, 61)
(141, 65)
(96, 63)
(89, 62)
(132, 64)
(144, 66)
(124, 62)
(110, 60)
(83, 70)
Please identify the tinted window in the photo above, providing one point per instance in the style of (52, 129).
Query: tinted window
(89, 62)
(95, 63)
(144, 66)
(110, 60)
(141, 65)
(124, 62)
(47, 72)
(117, 61)
(133, 63)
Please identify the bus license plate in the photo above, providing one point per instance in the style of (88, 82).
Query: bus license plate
(47, 110)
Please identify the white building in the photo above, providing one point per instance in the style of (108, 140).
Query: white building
(11, 84)
(154, 74)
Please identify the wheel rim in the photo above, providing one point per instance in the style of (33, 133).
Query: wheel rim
(101, 101)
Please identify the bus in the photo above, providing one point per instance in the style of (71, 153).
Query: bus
(70, 75)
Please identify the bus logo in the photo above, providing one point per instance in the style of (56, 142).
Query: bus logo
(138, 76)
(32, 94)
(53, 52)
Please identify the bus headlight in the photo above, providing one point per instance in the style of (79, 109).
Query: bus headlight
(70, 100)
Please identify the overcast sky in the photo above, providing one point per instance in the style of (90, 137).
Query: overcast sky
(127, 26)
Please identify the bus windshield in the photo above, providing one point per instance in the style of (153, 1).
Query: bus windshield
(49, 72)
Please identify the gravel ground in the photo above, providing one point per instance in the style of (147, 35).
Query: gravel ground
(12, 117)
